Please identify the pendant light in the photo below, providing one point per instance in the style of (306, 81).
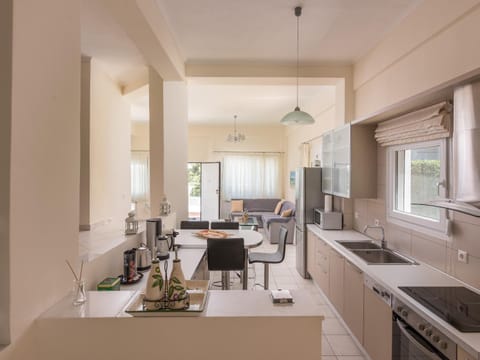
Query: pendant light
(297, 116)
(236, 136)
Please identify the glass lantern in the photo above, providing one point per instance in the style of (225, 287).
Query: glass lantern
(131, 224)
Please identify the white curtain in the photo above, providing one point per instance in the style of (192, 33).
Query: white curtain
(252, 176)
(139, 172)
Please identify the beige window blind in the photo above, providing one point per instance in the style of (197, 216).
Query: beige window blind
(431, 123)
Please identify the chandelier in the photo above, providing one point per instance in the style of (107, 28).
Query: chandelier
(297, 116)
(236, 136)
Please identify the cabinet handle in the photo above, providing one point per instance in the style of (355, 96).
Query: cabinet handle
(355, 268)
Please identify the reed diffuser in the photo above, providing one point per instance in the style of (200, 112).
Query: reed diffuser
(79, 295)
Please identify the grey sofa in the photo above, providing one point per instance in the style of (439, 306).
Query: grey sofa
(256, 208)
(272, 223)
(263, 211)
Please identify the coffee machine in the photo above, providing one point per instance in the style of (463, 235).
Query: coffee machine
(154, 230)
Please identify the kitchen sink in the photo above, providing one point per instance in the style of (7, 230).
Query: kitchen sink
(383, 257)
(356, 245)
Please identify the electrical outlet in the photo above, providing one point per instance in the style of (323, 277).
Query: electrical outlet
(376, 222)
(357, 215)
(462, 256)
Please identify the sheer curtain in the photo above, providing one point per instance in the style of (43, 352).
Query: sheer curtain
(251, 176)
(139, 172)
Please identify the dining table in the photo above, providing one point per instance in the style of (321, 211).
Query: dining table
(191, 239)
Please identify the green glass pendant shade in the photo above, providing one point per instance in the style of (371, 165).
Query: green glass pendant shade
(297, 117)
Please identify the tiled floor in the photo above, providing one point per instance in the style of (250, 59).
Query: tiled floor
(337, 344)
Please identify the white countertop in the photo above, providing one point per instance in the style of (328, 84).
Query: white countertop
(234, 303)
(393, 276)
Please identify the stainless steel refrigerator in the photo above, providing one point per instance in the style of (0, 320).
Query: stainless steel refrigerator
(308, 196)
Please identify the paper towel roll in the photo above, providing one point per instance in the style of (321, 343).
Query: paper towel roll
(328, 203)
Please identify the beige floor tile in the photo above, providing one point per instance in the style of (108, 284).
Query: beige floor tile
(326, 348)
(343, 345)
(331, 326)
(328, 358)
(350, 358)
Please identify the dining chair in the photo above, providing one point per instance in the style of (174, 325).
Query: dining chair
(225, 255)
(192, 225)
(226, 225)
(270, 258)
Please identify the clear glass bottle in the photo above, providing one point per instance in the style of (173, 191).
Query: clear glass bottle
(78, 292)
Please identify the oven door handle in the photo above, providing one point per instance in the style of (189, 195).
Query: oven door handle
(411, 338)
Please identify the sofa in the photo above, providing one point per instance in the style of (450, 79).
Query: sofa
(264, 211)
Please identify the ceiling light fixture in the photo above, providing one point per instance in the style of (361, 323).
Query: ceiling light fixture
(297, 116)
(236, 136)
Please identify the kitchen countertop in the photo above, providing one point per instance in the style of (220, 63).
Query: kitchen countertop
(392, 276)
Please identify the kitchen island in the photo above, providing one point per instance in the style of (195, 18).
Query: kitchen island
(236, 325)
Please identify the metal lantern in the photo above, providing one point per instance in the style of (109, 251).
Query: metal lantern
(131, 224)
(165, 207)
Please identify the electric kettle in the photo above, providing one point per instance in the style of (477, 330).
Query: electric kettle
(143, 257)
(163, 246)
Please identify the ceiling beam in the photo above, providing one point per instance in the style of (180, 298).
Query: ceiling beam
(146, 26)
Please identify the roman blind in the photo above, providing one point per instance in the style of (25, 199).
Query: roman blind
(431, 123)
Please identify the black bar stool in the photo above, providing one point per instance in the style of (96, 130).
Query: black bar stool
(225, 255)
(193, 225)
(226, 225)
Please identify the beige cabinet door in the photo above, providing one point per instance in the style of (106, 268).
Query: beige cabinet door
(311, 250)
(353, 299)
(336, 277)
(377, 326)
(463, 355)
(322, 265)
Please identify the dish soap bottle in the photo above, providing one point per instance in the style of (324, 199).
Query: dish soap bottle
(178, 297)
(155, 290)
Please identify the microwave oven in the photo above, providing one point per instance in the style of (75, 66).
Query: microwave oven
(332, 220)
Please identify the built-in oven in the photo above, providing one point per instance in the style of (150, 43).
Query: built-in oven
(415, 338)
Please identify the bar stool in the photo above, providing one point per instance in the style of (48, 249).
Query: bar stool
(225, 255)
(270, 258)
(193, 225)
(226, 225)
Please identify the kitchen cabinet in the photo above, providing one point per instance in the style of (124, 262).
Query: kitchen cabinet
(463, 355)
(353, 299)
(377, 326)
(336, 279)
(322, 261)
(349, 162)
(311, 240)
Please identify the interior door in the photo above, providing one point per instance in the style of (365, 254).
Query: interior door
(210, 191)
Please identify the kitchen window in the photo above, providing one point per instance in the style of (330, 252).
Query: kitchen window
(416, 174)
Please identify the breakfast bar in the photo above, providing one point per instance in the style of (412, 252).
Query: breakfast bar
(236, 324)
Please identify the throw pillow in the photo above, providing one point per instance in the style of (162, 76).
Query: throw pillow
(286, 213)
(278, 207)
(237, 205)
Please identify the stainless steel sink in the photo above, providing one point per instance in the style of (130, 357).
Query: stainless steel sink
(356, 245)
(383, 257)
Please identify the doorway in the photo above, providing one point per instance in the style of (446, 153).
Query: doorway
(203, 190)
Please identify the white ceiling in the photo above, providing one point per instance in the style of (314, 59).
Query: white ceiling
(104, 40)
(264, 30)
(254, 103)
(246, 31)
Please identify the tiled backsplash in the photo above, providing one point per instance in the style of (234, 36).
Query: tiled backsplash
(465, 234)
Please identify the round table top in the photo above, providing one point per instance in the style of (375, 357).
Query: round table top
(188, 239)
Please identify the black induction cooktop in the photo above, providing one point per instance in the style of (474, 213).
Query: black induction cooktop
(457, 305)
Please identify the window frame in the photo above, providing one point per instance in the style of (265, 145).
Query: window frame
(424, 225)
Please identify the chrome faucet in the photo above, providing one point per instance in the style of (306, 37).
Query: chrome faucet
(383, 242)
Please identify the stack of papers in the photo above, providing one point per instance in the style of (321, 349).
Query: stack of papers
(281, 296)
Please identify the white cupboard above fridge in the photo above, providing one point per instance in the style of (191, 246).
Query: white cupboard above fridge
(349, 162)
